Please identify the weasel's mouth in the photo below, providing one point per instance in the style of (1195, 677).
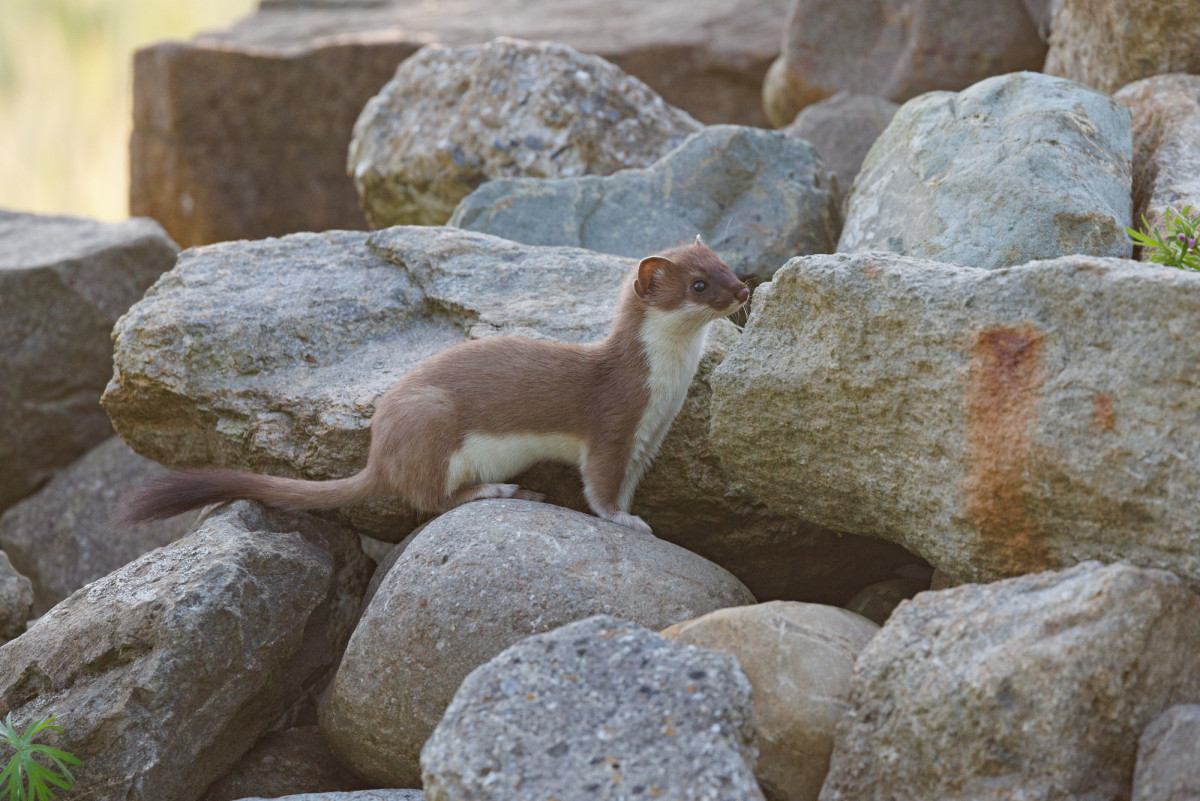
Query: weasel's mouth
(731, 308)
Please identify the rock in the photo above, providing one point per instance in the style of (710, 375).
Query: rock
(63, 283)
(877, 602)
(476, 580)
(1168, 759)
(285, 763)
(1017, 167)
(898, 50)
(454, 117)
(842, 128)
(61, 537)
(757, 197)
(994, 422)
(1033, 688)
(1166, 155)
(16, 600)
(1106, 44)
(359, 795)
(242, 133)
(165, 672)
(596, 709)
(798, 658)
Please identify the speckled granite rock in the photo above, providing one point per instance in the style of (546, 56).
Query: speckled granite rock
(477, 580)
(1018, 167)
(1168, 757)
(357, 795)
(757, 197)
(842, 128)
(454, 117)
(1034, 688)
(16, 599)
(601, 708)
(63, 283)
(284, 763)
(996, 422)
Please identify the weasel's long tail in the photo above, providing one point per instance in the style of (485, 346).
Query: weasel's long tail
(181, 490)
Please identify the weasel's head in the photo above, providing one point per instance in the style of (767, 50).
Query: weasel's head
(691, 280)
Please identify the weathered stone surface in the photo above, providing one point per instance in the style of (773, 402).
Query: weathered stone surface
(897, 49)
(61, 538)
(1168, 757)
(242, 133)
(1018, 167)
(63, 283)
(877, 602)
(596, 709)
(1032, 688)
(1166, 152)
(1106, 44)
(798, 658)
(994, 422)
(166, 671)
(287, 762)
(476, 580)
(16, 599)
(454, 117)
(358, 795)
(842, 128)
(757, 197)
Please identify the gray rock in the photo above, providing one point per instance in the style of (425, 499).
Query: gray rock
(476, 580)
(877, 601)
(896, 49)
(842, 128)
(757, 197)
(60, 537)
(1017, 167)
(994, 422)
(165, 672)
(282, 763)
(601, 708)
(16, 600)
(454, 117)
(359, 795)
(1166, 153)
(1033, 688)
(1106, 44)
(1168, 760)
(63, 283)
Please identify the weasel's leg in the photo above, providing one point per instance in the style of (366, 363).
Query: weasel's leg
(603, 477)
(481, 492)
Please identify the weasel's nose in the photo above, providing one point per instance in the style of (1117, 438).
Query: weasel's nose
(743, 294)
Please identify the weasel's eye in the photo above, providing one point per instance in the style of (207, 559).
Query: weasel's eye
(699, 286)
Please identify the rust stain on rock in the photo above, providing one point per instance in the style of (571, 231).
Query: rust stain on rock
(1103, 418)
(1004, 378)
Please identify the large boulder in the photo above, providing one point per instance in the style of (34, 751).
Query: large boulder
(601, 708)
(454, 117)
(842, 128)
(1034, 688)
(1168, 757)
(798, 659)
(282, 763)
(1109, 43)
(473, 582)
(897, 49)
(242, 133)
(996, 422)
(64, 281)
(757, 197)
(1018, 167)
(165, 672)
(16, 600)
(61, 536)
(1166, 151)
(355, 795)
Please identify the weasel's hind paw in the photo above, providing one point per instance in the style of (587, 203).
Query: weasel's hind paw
(528, 495)
(629, 521)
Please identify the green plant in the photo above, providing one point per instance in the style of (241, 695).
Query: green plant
(1178, 247)
(25, 779)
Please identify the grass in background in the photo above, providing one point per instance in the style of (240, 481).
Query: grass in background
(66, 95)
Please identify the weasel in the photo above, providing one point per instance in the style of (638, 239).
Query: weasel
(461, 422)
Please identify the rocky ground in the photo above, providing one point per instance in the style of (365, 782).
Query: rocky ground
(924, 528)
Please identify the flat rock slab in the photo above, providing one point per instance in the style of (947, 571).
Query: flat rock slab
(757, 197)
(1016, 168)
(994, 422)
(1034, 688)
(1168, 763)
(358, 795)
(61, 538)
(64, 281)
(454, 117)
(601, 708)
(165, 672)
(473, 582)
(842, 128)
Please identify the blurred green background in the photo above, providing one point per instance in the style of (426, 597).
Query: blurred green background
(66, 92)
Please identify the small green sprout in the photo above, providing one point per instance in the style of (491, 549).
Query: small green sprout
(25, 779)
(1178, 247)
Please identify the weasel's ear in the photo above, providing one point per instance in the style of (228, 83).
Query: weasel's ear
(647, 269)
(699, 241)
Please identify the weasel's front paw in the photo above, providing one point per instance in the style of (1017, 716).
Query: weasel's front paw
(629, 521)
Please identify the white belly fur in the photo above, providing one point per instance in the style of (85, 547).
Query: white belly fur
(492, 458)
